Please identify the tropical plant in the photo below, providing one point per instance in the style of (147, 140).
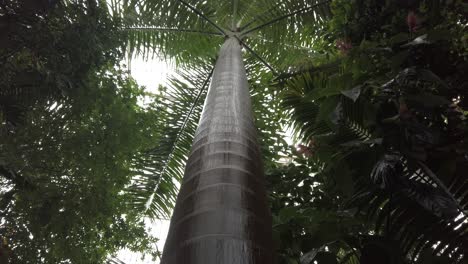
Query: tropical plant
(385, 115)
(40, 59)
(65, 199)
(310, 222)
(192, 33)
(74, 139)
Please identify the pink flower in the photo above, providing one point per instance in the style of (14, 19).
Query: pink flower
(404, 112)
(412, 21)
(344, 45)
(305, 150)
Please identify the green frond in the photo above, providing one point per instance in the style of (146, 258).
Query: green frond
(188, 45)
(155, 184)
(413, 214)
(291, 10)
(274, 27)
(282, 25)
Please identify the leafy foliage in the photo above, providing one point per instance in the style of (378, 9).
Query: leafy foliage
(306, 214)
(64, 197)
(161, 167)
(192, 31)
(72, 137)
(40, 58)
(386, 118)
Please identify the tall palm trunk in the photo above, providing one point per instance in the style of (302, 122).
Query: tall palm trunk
(221, 214)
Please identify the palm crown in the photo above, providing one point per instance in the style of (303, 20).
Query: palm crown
(191, 34)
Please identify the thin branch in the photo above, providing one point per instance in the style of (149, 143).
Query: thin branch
(258, 16)
(284, 16)
(198, 12)
(238, 24)
(8, 55)
(288, 45)
(176, 30)
(258, 57)
(171, 153)
(287, 75)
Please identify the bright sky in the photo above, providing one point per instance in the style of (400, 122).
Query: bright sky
(151, 74)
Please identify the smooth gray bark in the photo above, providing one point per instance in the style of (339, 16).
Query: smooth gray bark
(221, 214)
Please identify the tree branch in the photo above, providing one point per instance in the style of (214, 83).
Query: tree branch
(198, 12)
(258, 57)
(258, 16)
(176, 30)
(283, 17)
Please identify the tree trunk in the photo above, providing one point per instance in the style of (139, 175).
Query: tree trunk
(221, 214)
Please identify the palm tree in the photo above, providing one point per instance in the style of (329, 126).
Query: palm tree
(221, 214)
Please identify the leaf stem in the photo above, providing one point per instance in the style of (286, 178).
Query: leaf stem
(198, 12)
(258, 57)
(283, 17)
(176, 30)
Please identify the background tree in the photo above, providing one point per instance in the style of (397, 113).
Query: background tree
(385, 116)
(74, 138)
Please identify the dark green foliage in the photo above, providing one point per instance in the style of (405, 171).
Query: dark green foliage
(386, 116)
(72, 135)
(46, 54)
(306, 213)
(67, 169)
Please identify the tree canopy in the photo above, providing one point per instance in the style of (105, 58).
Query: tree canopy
(375, 92)
(72, 134)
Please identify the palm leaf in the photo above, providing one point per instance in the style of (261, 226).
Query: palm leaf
(169, 27)
(412, 214)
(413, 206)
(155, 184)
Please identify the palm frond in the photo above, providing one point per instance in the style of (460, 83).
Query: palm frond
(156, 182)
(145, 26)
(413, 210)
(258, 57)
(176, 30)
(199, 13)
(180, 45)
(284, 25)
(293, 23)
(284, 16)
